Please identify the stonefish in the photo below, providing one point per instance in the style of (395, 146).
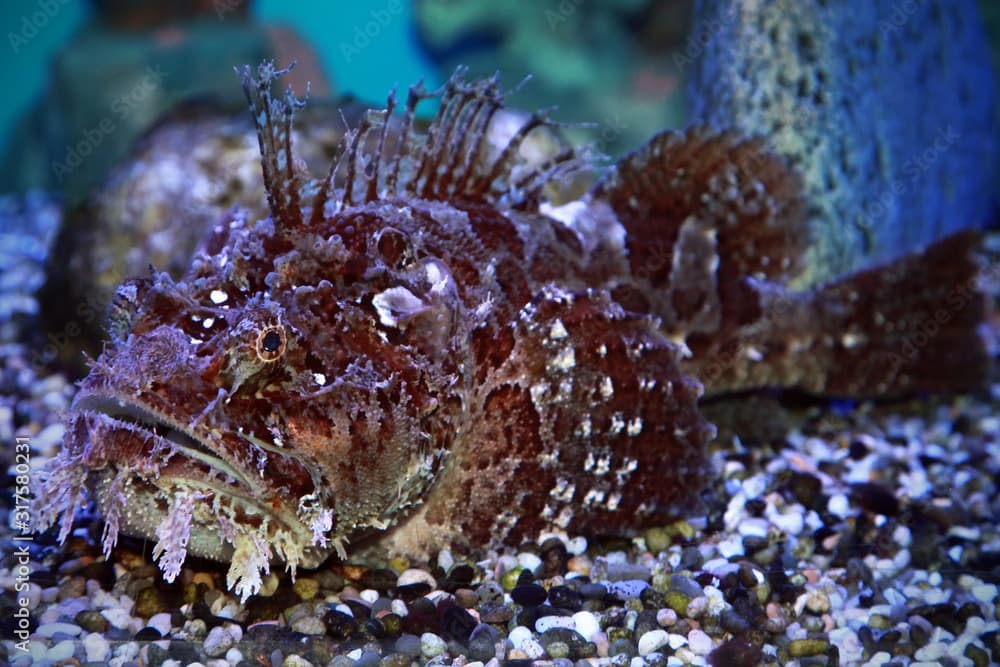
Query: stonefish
(429, 346)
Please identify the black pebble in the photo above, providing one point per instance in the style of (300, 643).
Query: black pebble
(458, 623)
(529, 595)
(858, 450)
(147, 634)
(875, 498)
(736, 653)
(565, 597)
(460, 576)
(594, 591)
(411, 592)
(340, 625)
(378, 579)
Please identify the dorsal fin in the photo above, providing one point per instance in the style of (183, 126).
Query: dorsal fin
(453, 159)
(744, 195)
(273, 119)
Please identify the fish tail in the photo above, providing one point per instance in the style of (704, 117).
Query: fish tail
(916, 325)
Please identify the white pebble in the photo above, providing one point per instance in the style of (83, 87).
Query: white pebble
(368, 595)
(518, 636)
(587, 624)
(445, 560)
(731, 547)
(49, 629)
(117, 617)
(666, 616)
(234, 656)
(931, 652)
(61, 651)
(96, 647)
(839, 505)
(548, 622)
(753, 527)
(416, 576)
(399, 608)
(985, 593)
(878, 659)
(675, 641)
(160, 622)
(652, 641)
(576, 546)
(529, 561)
(700, 643)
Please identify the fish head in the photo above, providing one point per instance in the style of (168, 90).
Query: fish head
(289, 393)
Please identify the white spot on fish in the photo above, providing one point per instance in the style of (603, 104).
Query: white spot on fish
(218, 296)
(320, 379)
(208, 323)
(558, 330)
(607, 388)
(634, 426)
(564, 360)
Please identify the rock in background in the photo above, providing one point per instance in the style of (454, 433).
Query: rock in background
(887, 108)
(606, 64)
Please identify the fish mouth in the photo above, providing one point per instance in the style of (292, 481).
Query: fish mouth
(152, 422)
(156, 460)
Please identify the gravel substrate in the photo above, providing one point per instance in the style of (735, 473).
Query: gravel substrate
(863, 535)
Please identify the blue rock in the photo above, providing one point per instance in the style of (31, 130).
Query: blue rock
(886, 107)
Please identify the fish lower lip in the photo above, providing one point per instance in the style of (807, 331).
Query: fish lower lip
(147, 420)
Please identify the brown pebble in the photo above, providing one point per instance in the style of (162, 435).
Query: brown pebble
(466, 598)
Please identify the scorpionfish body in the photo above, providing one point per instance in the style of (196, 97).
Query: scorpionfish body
(425, 347)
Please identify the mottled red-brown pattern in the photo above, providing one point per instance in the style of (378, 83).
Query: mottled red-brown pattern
(422, 348)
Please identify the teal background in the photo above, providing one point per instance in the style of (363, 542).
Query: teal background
(391, 58)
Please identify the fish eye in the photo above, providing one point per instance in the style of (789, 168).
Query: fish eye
(394, 247)
(271, 343)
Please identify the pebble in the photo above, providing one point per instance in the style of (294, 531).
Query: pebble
(629, 589)
(800, 648)
(49, 629)
(586, 624)
(416, 576)
(652, 641)
(218, 641)
(96, 647)
(431, 645)
(161, 622)
(700, 643)
(548, 622)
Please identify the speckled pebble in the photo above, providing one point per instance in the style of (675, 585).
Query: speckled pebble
(800, 648)
(218, 641)
(309, 625)
(295, 661)
(416, 576)
(431, 645)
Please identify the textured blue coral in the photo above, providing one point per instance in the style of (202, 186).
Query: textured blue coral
(888, 108)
